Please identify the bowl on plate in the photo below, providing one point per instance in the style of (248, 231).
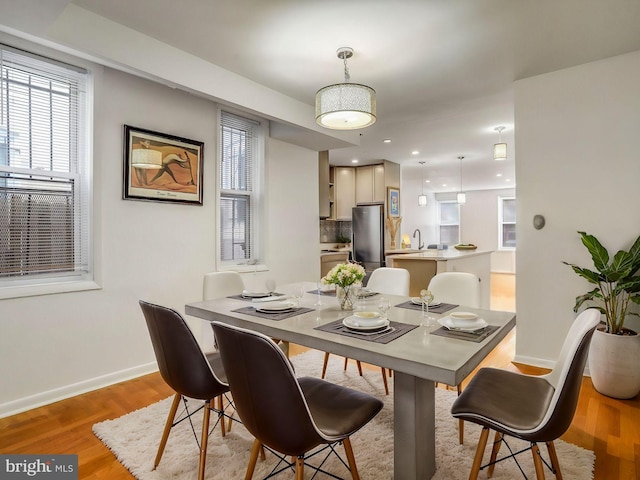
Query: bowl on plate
(368, 319)
(463, 319)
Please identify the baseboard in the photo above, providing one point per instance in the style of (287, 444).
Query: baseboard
(45, 398)
(534, 361)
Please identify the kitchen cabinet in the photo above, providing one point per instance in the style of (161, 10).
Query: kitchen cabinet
(370, 184)
(325, 185)
(344, 185)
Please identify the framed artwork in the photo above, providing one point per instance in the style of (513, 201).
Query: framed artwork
(393, 202)
(161, 168)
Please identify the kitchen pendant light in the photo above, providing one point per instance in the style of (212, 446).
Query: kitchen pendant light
(345, 106)
(499, 149)
(422, 198)
(461, 197)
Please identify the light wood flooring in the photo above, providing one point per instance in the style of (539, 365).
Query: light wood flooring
(611, 428)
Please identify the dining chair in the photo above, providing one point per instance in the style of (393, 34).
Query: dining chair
(289, 416)
(459, 288)
(186, 369)
(532, 408)
(389, 281)
(225, 284)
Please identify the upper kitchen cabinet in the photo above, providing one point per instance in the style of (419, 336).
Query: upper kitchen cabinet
(370, 184)
(344, 185)
(325, 185)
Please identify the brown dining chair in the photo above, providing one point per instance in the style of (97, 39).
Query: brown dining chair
(533, 408)
(289, 416)
(186, 369)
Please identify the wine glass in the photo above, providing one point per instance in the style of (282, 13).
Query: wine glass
(426, 297)
(355, 295)
(298, 293)
(318, 291)
(270, 285)
(384, 305)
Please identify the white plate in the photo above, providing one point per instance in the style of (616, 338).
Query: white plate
(352, 323)
(275, 307)
(418, 301)
(246, 294)
(448, 324)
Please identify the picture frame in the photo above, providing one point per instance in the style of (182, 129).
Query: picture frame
(393, 202)
(159, 167)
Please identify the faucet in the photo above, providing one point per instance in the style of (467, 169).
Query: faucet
(420, 244)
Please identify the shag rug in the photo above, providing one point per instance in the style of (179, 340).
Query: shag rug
(134, 438)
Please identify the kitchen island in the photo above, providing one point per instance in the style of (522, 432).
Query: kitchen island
(424, 265)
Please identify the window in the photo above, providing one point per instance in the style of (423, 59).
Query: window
(44, 171)
(241, 156)
(449, 222)
(507, 222)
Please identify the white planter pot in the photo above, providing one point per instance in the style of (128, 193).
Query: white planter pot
(614, 364)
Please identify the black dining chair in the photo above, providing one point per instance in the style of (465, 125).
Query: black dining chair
(289, 416)
(533, 408)
(186, 369)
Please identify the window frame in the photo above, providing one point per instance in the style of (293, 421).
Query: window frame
(440, 224)
(81, 175)
(501, 223)
(255, 195)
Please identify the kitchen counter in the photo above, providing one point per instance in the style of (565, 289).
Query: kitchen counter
(422, 266)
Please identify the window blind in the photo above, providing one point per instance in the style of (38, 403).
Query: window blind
(240, 139)
(44, 169)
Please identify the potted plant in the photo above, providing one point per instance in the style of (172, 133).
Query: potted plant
(614, 356)
(346, 277)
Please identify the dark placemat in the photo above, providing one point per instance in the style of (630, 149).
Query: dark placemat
(326, 293)
(442, 308)
(477, 336)
(384, 336)
(273, 316)
(248, 299)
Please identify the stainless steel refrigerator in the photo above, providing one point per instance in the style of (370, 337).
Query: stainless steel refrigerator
(368, 236)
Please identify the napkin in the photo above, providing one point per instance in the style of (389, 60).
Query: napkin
(272, 298)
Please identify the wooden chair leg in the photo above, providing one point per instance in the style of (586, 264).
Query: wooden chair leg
(300, 468)
(477, 460)
(204, 439)
(537, 461)
(167, 428)
(263, 455)
(553, 456)
(253, 458)
(460, 423)
(359, 367)
(351, 458)
(223, 429)
(346, 361)
(384, 380)
(324, 364)
(497, 442)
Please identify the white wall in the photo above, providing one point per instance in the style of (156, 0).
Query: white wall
(56, 346)
(578, 165)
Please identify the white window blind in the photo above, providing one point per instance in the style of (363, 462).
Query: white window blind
(44, 170)
(240, 155)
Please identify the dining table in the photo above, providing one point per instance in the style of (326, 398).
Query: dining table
(420, 353)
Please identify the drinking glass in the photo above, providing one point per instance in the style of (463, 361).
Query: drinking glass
(319, 300)
(355, 295)
(384, 305)
(298, 293)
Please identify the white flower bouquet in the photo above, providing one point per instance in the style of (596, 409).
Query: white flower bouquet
(344, 274)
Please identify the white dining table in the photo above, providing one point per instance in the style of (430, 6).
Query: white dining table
(417, 358)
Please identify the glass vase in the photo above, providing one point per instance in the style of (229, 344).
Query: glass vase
(346, 297)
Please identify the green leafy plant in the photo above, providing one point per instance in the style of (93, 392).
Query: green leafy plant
(617, 282)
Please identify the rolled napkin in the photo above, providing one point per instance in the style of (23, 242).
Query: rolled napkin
(273, 298)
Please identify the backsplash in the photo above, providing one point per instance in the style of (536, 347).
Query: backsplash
(330, 230)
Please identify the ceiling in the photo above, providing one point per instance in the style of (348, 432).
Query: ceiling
(443, 70)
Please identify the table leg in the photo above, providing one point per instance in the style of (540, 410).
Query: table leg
(414, 447)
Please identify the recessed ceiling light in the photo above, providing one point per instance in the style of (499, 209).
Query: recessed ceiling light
(498, 174)
(387, 140)
(507, 180)
(355, 160)
(444, 184)
(415, 152)
(427, 181)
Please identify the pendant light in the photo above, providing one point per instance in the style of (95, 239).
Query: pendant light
(499, 149)
(461, 197)
(422, 198)
(345, 106)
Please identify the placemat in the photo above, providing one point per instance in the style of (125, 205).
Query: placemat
(442, 308)
(476, 337)
(326, 293)
(384, 336)
(273, 316)
(248, 299)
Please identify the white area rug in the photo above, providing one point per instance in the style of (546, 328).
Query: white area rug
(134, 439)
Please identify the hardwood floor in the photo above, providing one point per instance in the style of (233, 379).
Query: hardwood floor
(611, 428)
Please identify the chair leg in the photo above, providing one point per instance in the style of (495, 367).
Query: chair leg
(460, 423)
(346, 361)
(537, 461)
(167, 428)
(351, 458)
(255, 450)
(497, 441)
(359, 367)
(384, 380)
(223, 429)
(204, 440)
(553, 456)
(477, 460)
(300, 468)
(324, 364)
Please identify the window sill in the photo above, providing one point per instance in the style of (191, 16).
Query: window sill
(244, 268)
(47, 289)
